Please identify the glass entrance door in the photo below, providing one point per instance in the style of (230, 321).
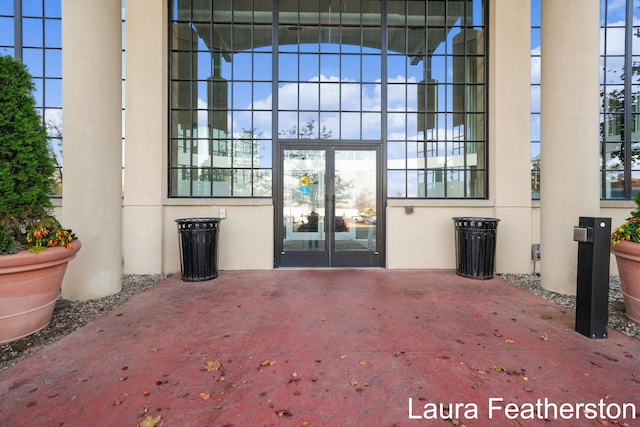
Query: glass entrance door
(329, 203)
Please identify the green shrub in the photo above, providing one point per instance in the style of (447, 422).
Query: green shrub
(27, 166)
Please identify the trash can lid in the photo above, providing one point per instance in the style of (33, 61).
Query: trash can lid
(474, 218)
(196, 220)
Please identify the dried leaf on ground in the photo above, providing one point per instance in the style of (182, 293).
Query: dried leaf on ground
(212, 365)
(151, 422)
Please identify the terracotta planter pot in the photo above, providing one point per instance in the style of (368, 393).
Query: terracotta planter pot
(628, 259)
(29, 287)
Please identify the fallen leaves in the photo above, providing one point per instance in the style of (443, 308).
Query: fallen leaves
(212, 365)
(151, 421)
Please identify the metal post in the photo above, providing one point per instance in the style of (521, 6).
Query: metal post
(592, 297)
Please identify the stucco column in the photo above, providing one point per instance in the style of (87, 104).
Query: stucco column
(569, 133)
(145, 135)
(92, 186)
(509, 131)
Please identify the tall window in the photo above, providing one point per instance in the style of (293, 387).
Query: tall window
(32, 32)
(436, 75)
(619, 99)
(535, 99)
(221, 91)
(620, 96)
(409, 75)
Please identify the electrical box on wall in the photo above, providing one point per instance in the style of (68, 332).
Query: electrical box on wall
(223, 213)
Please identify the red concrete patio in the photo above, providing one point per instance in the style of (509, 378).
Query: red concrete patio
(328, 348)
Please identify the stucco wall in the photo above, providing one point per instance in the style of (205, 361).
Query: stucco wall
(245, 236)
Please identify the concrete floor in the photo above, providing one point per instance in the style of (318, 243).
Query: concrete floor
(338, 347)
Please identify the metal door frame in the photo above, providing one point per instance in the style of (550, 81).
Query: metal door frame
(361, 259)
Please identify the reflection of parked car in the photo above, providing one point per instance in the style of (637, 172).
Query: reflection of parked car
(340, 224)
(372, 219)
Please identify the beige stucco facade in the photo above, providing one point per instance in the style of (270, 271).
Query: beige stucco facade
(143, 237)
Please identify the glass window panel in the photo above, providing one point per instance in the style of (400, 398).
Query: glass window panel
(53, 92)
(329, 126)
(200, 153)
(242, 182)
(396, 183)
(614, 99)
(396, 68)
(242, 66)
(6, 8)
(308, 126)
(396, 126)
(396, 155)
(262, 154)
(614, 185)
(6, 32)
(416, 70)
(200, 182)
(350, 128)
(262, 183)
(180, 152)
(350, 68)
(309, 67)
(371, 126)
(262, 124)
(535, 99)
(53, 62)
(434, 183)
(330, 65)
(287, 67)
(350, 96)
(613, 158)
(262, 96)
(635, 76)
(262, 37)
(614, 72)
(371, 40)
(614, 43)
(309, 96)
(221, 182)
(53, 33)
(53, 8)
(371, 99)
(329, 96)
(32, 32)
(397, 41)
(31, 7)
(242, 153)
(371, 68)
(288, 124)
(181, 182)
(415, 183)
(288, 96)
(38, 91)
(262, 66)
(397, 97)
(242, 95)
(221, 153)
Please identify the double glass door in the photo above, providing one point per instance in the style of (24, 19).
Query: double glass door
(329, 207)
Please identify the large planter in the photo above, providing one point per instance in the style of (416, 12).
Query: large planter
(628, 259)
(29, 286)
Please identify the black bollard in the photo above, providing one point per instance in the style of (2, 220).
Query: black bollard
(592, 297)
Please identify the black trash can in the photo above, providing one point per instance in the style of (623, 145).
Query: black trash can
(198, 240)
(475, 246)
